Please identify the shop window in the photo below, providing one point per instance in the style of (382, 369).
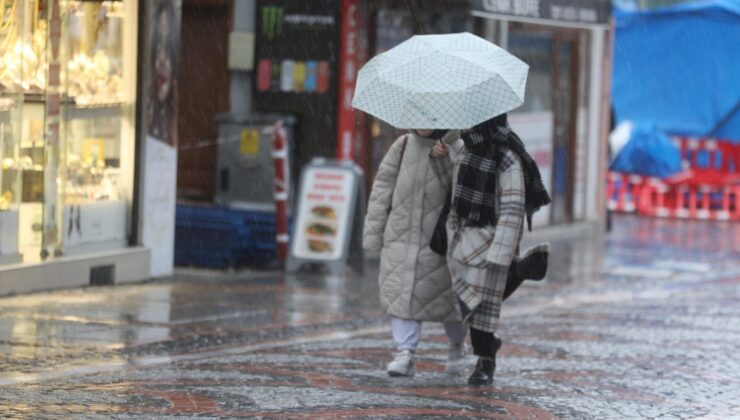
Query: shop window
(66, 124)
(549, 118)
(535, 49)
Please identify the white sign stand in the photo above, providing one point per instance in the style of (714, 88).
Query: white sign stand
(327, 229)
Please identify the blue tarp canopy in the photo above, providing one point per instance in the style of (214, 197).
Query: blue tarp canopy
(678, 68)
(649, 152)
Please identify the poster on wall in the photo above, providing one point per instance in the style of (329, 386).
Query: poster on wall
(159, 156)
(296, 46)
(161, 67)
(296, 55)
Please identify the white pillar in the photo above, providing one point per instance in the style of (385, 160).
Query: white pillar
(503, 34)
(240, 81)
(594, 179)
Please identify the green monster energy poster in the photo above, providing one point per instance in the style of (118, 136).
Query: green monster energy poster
(296, 72)
(272, 21)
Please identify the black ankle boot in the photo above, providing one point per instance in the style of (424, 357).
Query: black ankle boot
(484, 369)
(483, 373)
(530, 266)
(533, 264)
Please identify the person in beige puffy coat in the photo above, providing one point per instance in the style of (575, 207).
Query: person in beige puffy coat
(415, 285)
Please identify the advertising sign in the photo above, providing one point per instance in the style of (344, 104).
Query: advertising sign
(296, 46)
(161, 69)
(323, 214)
(296, 58)
(329, 208)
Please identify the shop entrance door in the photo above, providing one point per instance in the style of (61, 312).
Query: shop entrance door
(565, 102)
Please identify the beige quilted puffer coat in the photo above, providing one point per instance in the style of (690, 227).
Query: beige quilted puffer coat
(414, 281)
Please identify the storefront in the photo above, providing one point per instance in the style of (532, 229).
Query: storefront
(564, 118)
(68, 141)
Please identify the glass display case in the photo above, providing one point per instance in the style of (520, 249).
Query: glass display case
(67, 90)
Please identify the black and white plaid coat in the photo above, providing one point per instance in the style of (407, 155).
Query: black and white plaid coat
(479, 257)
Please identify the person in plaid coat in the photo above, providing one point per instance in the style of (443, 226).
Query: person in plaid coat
(496, 186)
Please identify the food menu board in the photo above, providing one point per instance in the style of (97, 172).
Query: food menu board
(324, 222)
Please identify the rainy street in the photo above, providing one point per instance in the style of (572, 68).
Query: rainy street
(370, 209)
(642, 324)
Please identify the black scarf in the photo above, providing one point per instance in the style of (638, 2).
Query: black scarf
(475, 194)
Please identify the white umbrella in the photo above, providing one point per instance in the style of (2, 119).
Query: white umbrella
(452, 81)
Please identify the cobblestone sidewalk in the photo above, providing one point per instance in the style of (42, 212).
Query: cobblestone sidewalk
(648, 329)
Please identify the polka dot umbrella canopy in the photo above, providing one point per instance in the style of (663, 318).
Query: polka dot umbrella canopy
(452, 81)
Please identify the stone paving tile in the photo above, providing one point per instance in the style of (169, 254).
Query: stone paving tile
(649, 332)
(587, 362)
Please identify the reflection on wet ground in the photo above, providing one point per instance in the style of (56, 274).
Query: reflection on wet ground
(623, 327)
(175, 316)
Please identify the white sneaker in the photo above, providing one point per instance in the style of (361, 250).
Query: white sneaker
(402, 364)
(456, 359)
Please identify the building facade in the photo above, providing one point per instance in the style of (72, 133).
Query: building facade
(564, 120)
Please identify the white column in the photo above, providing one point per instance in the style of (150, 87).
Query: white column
(503, 34)
(128, 109)
(593, 208)
(240, 81)
(489, 29)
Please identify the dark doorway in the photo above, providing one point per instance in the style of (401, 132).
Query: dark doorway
(565, 108)
(203, 92)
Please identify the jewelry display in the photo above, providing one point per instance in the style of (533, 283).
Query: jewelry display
(91, 79)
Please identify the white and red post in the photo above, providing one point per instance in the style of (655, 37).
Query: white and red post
(280, 160)
(348, 49)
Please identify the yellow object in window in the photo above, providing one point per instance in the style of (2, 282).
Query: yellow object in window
(6, 200)
(93, 152)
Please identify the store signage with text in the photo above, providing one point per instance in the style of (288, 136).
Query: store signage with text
(587, 12)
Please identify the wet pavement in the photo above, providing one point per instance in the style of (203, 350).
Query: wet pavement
(644, 323)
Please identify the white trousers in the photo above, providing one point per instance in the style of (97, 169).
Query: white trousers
(407, 332)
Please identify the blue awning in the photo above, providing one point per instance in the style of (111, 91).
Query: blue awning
(678, 68)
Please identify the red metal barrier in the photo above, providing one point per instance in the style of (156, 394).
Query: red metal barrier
(623, 191)
(716, 174)
(687, 201)
(710, 191)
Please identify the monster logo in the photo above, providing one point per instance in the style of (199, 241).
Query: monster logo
(272, 21)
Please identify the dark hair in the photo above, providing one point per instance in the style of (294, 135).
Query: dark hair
(438, 134)
(491, 124)
(173, 41)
